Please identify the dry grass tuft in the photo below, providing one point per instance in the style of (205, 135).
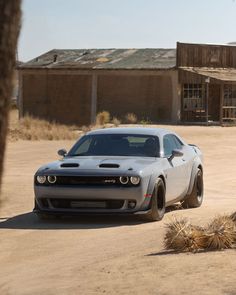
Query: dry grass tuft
(233, 217)
(85, 129)
(29, 128)
(182, 236)
(220, 233)
(116, 121)
(131, 118)
(103, 118)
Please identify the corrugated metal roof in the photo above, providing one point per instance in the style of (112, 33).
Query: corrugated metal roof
(105, 59)
(222, 74)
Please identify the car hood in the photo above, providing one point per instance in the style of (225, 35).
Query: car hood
(99, 165)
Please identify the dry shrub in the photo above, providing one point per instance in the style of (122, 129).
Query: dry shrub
(145, 122)
(103, 118)
(220, 233)
(233, 217)
(85, 129)
(116, 121)
(29, 128)
(131, 118)
(182, 236)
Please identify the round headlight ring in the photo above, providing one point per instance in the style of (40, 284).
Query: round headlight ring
(41, 179)
(52, 179)
(135, 180)
(124, 179)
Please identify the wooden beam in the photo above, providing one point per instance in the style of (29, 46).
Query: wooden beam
(221, 102)
(207, 100)
(94, 98)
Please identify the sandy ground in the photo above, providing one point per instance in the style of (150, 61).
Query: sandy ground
(112, 255)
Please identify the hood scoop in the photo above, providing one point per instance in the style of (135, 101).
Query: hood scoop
(69, 165)
(109, 165)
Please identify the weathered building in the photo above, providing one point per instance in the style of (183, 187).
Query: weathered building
(193, 84)
(207, 75)
(71, 86)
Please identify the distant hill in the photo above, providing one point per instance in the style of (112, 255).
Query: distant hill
(232, 43)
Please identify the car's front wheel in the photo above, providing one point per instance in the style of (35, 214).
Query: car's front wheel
(195, 199)
(157, 204)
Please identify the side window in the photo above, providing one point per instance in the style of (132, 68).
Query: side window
(168, 146)
(178, 142)
(170, 142)
(84, 147)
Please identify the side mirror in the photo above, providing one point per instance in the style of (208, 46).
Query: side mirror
(175, 153)
(62, 152)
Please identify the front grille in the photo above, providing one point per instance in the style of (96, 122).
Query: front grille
(83, 204)
(88, 180)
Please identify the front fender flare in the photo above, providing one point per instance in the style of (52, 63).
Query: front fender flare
(150, 188)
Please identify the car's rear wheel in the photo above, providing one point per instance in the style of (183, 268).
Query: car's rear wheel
(195, 199)
(157, 204)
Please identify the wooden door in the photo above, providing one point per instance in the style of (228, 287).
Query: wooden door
(214, 102)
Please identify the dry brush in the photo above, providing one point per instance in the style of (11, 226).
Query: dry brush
(219, 234)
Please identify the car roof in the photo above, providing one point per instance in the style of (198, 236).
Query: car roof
(132, 130)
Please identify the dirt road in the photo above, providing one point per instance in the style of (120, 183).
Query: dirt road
(112, 255)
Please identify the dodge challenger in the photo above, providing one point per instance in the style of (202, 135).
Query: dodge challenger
(121, 170)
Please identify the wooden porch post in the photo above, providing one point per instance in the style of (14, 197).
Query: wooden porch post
(207, 98)
(221, 102)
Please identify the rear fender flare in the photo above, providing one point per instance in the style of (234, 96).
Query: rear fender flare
(196, 164)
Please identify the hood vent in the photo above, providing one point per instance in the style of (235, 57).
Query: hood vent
(109, 165)
(69, 165)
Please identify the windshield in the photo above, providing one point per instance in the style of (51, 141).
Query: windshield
(116, 145)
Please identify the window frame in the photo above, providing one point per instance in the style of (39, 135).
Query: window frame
(193, 95)
(75, 147)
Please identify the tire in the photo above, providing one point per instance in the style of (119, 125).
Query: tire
(194, 200)
(157, 204)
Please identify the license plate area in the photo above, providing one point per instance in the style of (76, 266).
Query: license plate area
(88, 204)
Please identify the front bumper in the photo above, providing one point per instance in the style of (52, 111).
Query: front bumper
(64, 199)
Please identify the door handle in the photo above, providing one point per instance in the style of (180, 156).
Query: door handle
(183, 160)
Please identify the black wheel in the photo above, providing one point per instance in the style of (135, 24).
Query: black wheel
(195, 199)
(157, 205)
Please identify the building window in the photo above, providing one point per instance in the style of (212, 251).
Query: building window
(229, 95)
(229, 103)
(193, 95)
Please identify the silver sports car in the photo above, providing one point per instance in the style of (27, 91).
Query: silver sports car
(121, 170)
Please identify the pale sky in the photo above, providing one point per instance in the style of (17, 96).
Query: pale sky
(49, 24)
